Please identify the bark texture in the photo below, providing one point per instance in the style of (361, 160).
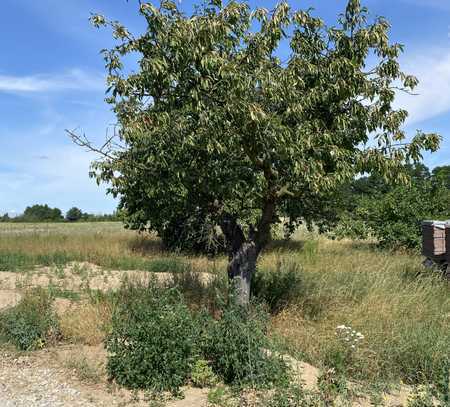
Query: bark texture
(244, 252)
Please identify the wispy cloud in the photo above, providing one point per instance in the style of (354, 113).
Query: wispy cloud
(57, 176)
(432, 68)
(74, 79)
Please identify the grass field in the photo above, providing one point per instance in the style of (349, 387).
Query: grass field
(312, 284)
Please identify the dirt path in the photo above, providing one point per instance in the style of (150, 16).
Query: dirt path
(43, 379)
(40, 380)
(24, 385)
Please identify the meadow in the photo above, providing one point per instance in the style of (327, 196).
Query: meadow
(372, 318)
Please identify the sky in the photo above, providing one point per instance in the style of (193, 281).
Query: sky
(52, 78)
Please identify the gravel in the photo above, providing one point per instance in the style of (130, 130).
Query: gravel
(23, 385)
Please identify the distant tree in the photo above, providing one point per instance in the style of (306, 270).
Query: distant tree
(74, 214)
(90, 217)
(41, 213)
(393, 214)
(395, 217)
(442, 174)
(5, 218)
(212, 120)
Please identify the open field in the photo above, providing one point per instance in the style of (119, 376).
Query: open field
(311, 284)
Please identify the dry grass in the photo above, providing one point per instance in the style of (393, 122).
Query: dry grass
(106, 244)
(402, 310)
(86, 323)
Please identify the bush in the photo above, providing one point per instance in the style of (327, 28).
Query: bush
(31, 324)
(152, 344)
(156, 343)
(202, 375)
(395, 217)
(239, 350)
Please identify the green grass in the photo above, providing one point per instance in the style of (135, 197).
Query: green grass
(57, 292)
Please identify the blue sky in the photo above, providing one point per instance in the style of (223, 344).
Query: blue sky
(52, 78)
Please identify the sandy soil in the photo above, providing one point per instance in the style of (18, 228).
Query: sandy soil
(48, 378)
(78, 276)
(41, 379)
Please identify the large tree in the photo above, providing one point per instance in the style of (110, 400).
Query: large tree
(243, 115)
(74, 214)
(41, 213)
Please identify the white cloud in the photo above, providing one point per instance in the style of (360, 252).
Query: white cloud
(61, 180)
(432, 68)
(74, 79)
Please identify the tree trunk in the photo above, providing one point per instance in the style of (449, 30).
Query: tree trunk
(241, 267)
(243, 252)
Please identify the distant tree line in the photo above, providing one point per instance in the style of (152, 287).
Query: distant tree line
(370, 207)
(44, 213)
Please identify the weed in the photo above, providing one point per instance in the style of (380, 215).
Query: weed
(331, 384)
(239, 350)
(202, 375)
(292, 395)
(87, 323)
(279, 287)
(57, 292)
(84, 369)
(422, 396)
(152, 341)
(31, 324)
(221, 396)
(59, 272)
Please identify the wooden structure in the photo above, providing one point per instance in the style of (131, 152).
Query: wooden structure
(436, 244)
(447, 241)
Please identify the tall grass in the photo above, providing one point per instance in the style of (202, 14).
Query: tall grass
(23, 246)
(402, 310)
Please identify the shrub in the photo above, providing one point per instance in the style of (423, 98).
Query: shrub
(202, 375)
(394, 217)
(152, 340)
(31, 324)
(239, 350)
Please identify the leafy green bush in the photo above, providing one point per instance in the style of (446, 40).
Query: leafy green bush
(156, 342)
(239, 350)
(152, 343)
(31, 323)
(395, 217)
(202, 375)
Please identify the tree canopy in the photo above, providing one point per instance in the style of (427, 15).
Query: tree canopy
(39, 213)
(442, 174)
(246, 115)
(393, 213)
(74, 214)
